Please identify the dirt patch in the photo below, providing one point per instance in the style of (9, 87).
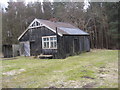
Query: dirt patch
(9, 58)
(64, 84)
(87, 77)
(103, 70)
(89, 85)
(84, 71)
(13, 72)
(102, 67)
(57, 71)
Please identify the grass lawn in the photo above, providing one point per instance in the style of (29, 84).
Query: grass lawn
(95, 69)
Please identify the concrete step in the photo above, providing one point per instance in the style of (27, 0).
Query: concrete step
(45, 56)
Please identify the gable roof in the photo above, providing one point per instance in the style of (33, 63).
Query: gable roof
(62, 28)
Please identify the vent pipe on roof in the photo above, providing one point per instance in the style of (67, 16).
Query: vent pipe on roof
(56, 34)
(56, 30)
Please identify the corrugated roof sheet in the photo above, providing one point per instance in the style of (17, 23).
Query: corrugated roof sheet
(72, 31)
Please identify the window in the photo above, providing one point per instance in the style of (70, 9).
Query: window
(35, 24)
(49, 42)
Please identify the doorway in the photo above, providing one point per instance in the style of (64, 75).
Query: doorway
(25, 48)
(75, 45)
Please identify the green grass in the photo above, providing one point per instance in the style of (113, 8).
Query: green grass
(98, 66)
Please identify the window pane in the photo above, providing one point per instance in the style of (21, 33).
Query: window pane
(55, 44)
(47, 44)
(51, 38)
(55, 38)
(33, 24)
(51, 45)
(47, 39)
(37, 23)
(44, 39)
(44, 45)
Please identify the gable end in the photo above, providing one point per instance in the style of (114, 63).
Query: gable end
(36, 23)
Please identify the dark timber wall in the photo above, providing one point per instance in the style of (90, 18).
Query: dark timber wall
(70, 45)
(35, 38)
(7, 51)
(66, 45)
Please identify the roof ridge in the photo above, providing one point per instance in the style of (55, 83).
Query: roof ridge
(54, 22)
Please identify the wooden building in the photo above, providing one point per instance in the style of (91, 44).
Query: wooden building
(59, 39)
(10, 50)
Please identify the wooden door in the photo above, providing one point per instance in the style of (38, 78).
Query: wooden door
(75, 45)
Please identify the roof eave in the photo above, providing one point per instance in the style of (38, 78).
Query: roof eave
(76, 35)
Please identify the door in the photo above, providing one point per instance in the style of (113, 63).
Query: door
(33, 48)
(25, 48)
(75, 45)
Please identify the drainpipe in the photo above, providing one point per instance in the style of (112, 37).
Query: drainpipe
(57, 39)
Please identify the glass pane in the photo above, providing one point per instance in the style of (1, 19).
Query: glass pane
(44, 45)
(44, 39)
(33, 24)
(47, 45)
(37, 24)
(51, 38)
(51, 45)
(47, 39)
(55, 38)
(55, 44)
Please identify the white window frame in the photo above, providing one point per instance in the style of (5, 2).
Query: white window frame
(34, 24)
(49, 47)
